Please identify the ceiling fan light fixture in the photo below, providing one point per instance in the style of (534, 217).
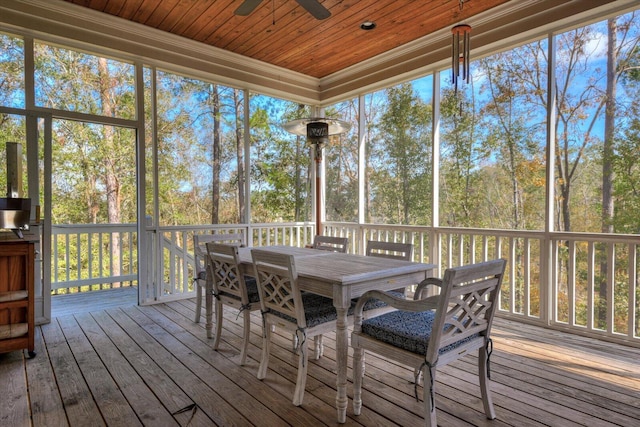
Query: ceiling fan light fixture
(368, 25)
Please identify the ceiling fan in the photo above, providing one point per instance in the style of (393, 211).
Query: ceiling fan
(312, 6)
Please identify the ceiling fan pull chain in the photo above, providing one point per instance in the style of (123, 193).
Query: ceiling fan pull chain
(273, 10)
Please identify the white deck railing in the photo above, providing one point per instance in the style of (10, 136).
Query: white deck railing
(82, 258)
(586, 283)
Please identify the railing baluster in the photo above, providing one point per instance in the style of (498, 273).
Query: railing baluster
(590, 285)
(632, 283)
(90, 255)
(100, 253)
(526, 273)
(512, 276)
(611, 270)
(571, 283)
(67, 258)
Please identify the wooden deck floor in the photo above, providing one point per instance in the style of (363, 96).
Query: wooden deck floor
(153, 366)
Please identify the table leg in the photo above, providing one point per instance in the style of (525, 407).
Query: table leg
(342, 343)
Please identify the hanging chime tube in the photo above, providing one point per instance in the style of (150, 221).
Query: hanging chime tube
(467, 53)
(460, 54)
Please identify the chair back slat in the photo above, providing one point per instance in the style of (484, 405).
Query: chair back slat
(330, 243)
(403, 251)
(224, 268)
(277, 280)
(200, 241)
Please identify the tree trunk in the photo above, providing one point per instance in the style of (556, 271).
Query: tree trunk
(215, 196)
(607, 158)
(240, 155)
(298, 174)
(111, 179)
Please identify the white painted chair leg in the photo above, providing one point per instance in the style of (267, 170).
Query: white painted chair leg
(219, 313)
(245, 337)
(209, 314)
(301, 381)
(485, 389)
(198, 302)
(429, 397)
(266, 350)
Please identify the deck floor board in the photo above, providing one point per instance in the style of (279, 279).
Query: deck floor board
(117, 364)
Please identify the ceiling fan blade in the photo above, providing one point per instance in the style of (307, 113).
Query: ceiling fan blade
(315, 8)
(247, 7)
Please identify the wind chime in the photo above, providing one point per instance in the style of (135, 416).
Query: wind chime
(460, 52)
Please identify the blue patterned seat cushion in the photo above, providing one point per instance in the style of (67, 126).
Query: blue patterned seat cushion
(317, 310)
(252, 290)
(407, 330)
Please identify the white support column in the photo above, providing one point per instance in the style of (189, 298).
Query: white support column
(434, 239)
(547, 265)
(145, 275)
(323, 177)
(247, 163)
(362, 171)
(45, 256)
(32, 128)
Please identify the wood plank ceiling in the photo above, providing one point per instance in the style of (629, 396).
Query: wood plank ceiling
(282, 33)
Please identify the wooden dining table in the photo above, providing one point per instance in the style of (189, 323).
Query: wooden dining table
(342, 277)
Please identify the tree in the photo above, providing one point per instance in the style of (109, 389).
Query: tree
(515, 135)
(112, 183)
(215, 171)
(405, 136)
(281, 164)
(341, 158)
(239, 134)
(461, 153)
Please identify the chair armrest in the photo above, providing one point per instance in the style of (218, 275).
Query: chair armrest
(424, 304)
(423, 285)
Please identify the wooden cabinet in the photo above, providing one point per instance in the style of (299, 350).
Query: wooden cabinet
(17, 258)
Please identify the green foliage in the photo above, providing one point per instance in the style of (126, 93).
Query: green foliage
(341, 159)
(280, 166)
(11, 72)
(399, 158)
(461, 153)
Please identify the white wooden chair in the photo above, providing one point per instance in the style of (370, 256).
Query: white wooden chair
(330, 243)
(200, 251)
(403, 251)
(284, 306)
(432, 332)
(232, 288)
